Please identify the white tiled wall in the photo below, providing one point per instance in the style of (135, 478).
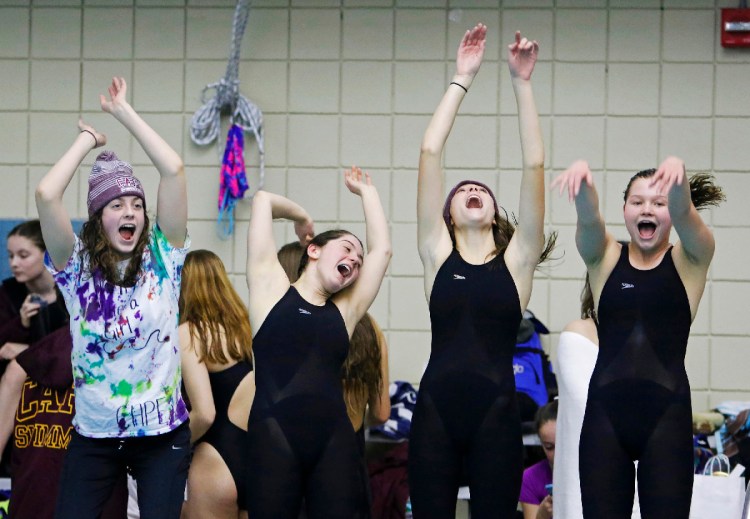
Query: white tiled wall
(621, 83)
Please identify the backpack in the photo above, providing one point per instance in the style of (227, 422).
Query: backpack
(535, 378)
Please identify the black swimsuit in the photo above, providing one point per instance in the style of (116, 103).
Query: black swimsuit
(466, 418)
(301, 444)
(638, 404)
(224, 436)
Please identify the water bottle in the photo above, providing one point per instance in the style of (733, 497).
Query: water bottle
(408, 514)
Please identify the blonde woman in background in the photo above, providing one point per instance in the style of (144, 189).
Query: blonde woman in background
(215, 344)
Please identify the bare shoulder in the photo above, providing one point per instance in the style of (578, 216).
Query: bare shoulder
(585, 327)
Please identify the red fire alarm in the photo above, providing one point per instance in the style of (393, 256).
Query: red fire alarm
(735, 27)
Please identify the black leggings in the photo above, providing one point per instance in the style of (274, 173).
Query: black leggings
(456, 432)
(92, 467)
(646, 428)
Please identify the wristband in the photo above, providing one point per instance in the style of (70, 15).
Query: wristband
(96, 142)
(460, 86)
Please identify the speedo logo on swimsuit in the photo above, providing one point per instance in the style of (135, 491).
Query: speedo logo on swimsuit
(627, 285)
(458, 276)
(303, 311)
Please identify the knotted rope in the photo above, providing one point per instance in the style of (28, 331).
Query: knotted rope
(206, 121)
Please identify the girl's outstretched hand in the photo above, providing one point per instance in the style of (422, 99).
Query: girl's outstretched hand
(572, 178)
(471, 51)
(522, 55)
(117, 95)
(100, 138)
(356, 181)
(669, 173)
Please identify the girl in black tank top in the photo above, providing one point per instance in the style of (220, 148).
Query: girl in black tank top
(301, 444)
(646, 293)
(466, 427)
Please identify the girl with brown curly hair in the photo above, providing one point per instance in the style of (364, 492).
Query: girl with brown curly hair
(121, 281)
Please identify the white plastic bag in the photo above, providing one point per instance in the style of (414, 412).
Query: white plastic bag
(717, 497)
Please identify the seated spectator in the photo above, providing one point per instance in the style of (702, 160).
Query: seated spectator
(536, 499)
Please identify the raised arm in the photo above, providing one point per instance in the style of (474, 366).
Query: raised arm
(696, 239)
(528, 241)
(57, 229)
(355, 301)
(171, 206)
(197, 386)
(433, 239)
(266, 278)
(591, 235)
(525, 248)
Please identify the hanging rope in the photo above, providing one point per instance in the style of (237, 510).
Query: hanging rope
(206, 122)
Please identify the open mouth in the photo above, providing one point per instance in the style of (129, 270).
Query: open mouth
(127, 231)
(344, 269)
(646, 229)
(474, 202)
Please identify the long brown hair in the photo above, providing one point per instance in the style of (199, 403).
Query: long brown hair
(703, 192)
(213, 309)
(289, 256)
(102, 256)
(587, 300)
(361, 370)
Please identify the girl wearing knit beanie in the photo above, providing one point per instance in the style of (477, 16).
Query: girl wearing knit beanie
(121, 281)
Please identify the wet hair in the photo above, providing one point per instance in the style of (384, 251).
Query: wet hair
(587, 300)
(32, 231)
(703, 192)
(213, 309)
(546, 413)
(103, 258)
(320, 240)
(360, 373)
(502, 227)
(289, 256)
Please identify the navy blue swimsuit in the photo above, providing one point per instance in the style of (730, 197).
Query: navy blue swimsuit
(638, 404)
(301, 444)
(466, 420)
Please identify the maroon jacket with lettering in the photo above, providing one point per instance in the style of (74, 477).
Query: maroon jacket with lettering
(44, 416)
(12, 294)
(44, 421)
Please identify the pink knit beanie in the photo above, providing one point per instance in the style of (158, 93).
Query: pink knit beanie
(111, 178)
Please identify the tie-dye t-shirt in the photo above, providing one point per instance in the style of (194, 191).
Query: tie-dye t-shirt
(126, 360)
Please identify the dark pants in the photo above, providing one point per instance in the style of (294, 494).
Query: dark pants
(92, 466)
